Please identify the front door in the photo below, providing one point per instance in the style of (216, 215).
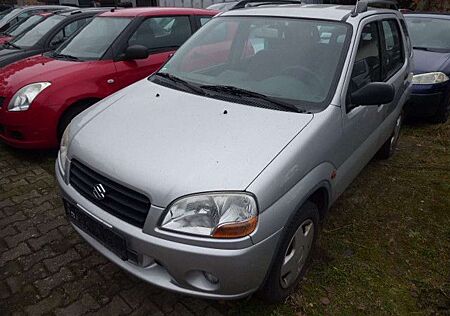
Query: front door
(360, 123)
(162, 36)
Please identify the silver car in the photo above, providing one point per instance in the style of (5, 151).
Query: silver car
(210, 178)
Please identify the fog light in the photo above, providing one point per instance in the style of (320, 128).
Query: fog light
(211, 277)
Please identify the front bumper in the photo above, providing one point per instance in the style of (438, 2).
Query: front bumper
(25, 130)
(426, 100)
(178, 266)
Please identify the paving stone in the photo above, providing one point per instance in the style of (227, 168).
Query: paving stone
(11, 219)
(36, 257)
(53, 264)
(45, 286)
(37, 243)
(80, 307)
(46, 305)
(22, 197)
(147, 309)
(46, 227)
(7, 231)
(13, 253)
(4, 290)
(117, 306)
(13, 241)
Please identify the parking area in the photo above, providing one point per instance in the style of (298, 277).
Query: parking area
(384, 248)
(46, 267)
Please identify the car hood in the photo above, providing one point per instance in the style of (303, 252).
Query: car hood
(35, 69)
(426, 61)
(167, 143)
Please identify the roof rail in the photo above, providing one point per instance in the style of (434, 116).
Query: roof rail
(362, 5)
(244, 3)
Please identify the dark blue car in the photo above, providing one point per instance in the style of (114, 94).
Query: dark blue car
(430, 37)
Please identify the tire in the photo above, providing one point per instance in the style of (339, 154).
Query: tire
(294, 255)
(441, 115)
(388, 149)
(69, 115)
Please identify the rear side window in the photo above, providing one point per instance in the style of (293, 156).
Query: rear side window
(162, 33)
(393, 48)
(204, 20)
(68, 30)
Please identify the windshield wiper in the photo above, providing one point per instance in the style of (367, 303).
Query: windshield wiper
(431, 49)
(57, 55)
(246, 93)
(190, 86)
(9, 44)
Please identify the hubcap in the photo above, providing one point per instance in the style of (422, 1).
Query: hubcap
(297, 253)
(395, 136)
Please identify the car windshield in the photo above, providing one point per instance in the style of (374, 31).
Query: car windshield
(18, 28)
(429, 33)
(31, 37)
(293, 61)
(94, 39)
(5, 12)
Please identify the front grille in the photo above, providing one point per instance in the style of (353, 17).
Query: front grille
(2, 99)
(120, 201)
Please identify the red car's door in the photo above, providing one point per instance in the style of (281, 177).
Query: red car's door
(162, 36)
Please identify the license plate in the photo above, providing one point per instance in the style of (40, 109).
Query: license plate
(105, 235)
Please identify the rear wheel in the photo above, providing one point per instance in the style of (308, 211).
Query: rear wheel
(70, 114)
(294, 254)
(388, 148)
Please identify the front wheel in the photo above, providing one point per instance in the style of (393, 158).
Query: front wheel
(388, 148)
(293, 255)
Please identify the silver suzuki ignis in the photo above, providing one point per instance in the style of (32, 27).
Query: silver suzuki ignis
(211, 177)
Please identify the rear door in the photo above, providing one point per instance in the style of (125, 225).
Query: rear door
(161, 36)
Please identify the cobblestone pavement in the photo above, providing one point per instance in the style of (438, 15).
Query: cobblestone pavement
(46, 268)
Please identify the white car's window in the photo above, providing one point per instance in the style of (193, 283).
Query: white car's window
(293, 60)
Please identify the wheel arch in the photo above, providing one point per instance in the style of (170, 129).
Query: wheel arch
(67, 110)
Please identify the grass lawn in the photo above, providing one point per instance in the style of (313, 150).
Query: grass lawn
(385, 247)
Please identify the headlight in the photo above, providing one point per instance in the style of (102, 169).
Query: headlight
(430, 78)
(63, 149)
(24, 97)
(218, 215)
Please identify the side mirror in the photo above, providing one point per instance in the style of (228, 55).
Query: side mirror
(374, 93)
(136, 52)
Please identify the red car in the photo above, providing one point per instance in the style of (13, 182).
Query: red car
(40, 95)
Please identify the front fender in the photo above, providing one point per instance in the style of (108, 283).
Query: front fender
(277, 215)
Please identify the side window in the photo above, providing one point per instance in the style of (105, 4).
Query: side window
(67, 31)
(393, 48)
(162, 33)
(367, 66)
(23, 16)
(406, 32)
(204, 20)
